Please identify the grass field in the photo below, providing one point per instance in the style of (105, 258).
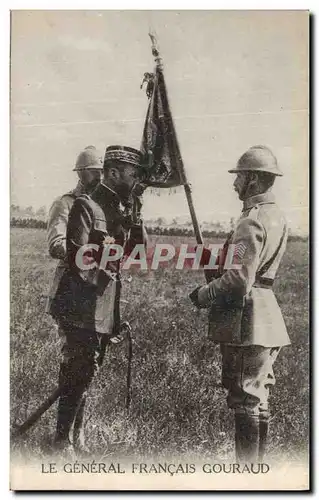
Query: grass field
(178, 405)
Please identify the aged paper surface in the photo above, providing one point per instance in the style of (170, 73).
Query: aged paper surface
(235, 79)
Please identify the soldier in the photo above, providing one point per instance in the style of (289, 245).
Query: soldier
(89, 166)
(244, 315)
(86, 303)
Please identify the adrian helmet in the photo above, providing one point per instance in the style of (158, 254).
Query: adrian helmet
(89, 158)
(257, 159)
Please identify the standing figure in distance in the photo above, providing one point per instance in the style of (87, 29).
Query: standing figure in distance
(244, 315)
(89, 167)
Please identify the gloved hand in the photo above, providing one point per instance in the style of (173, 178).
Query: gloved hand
(138, 190)
(137, 236)
(58, 250)
(201, 297)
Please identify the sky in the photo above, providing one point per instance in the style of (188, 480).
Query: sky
(235, 79)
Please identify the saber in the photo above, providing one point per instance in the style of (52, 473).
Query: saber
(37, 414)
(127, 327)
(34, 417)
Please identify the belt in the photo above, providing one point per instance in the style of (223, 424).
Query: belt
(263, 282)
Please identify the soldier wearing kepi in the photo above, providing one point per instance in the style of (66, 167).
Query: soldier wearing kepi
(89, 167)
(87, 300)
(244, 315)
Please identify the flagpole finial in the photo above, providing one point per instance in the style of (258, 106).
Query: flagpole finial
(155, 50)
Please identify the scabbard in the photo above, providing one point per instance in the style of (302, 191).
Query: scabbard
(34, 417)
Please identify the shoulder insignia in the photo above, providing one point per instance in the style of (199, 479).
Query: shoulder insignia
(239, 250)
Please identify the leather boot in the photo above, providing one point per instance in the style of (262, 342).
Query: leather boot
(264, 418)
(246, 437)
(68, 405)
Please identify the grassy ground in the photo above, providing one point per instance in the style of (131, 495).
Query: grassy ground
(178, 404)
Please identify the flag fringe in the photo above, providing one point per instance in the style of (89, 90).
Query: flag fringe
(172, 190)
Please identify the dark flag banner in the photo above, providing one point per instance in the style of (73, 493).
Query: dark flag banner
(163, 162)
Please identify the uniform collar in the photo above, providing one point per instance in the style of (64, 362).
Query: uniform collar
(105, 195)
(258, 199)
(78, 190)
(113, 193)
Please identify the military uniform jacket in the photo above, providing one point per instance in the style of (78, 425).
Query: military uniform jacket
(245, 310)
(87, 298)
(56, 236)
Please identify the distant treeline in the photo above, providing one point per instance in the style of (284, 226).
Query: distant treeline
(188, 232)
(184, 231)
(155, 230)
(29, 222)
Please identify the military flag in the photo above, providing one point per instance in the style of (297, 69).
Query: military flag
(162, 158)
(163, 163)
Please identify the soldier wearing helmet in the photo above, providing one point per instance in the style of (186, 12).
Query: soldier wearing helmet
(244, 316)
(89, 166)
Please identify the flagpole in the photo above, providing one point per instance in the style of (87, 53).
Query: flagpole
(187, 187)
